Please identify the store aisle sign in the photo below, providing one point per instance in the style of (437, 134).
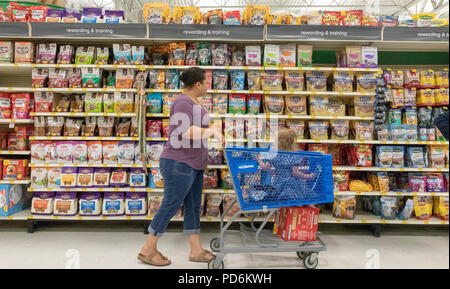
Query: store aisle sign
(206, 32)
(437, 34)
(341, 33)
(88, 30)
(13, 29)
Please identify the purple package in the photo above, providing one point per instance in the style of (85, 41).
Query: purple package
(92, 15)
(69, 177)
(417, 183)
(85, 177)
(435, 183)
(90, 204)
(38, 207)
(113, 204)
(387, 76)
(137, 178)
(53, 15)
(119, 177)
(369, 57)
(66, 54)
(70, 16)
(64, 150)
(101, 177)
(114, 16)
(66, 204)
(136, 203)
(446, 181)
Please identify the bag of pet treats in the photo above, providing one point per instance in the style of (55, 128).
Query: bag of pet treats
(344, 207)
(220, 103)
(215, 154)
(46, 53)
(54, 178)
(168, 99)
(110, 152)
(287, 55)
(119, 177)
(102, 177)
(6, 52)
(237, 79)
(136, 203)
(220, 79)
(42, 203)
(253, 103)
(155, 179)
(154, 202)
(126, 152)
(138, 178)
(69, 177)
(85, 177)
(172, 79)
(423, 207)
(64, 150)
(237, 104)
(252, 55)
(389, 208)
(113, 204)
(304, 55)
(38, 178)
(80, 153)
(38, 152)
(90, 204)
(213, 202)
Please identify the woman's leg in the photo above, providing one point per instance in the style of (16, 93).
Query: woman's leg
(178, 179)
(191, 224)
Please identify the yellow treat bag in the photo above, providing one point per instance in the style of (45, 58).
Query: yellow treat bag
(256, 15)
(156, 13)
(186, 15)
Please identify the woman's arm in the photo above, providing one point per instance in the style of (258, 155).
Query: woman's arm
(195, 132)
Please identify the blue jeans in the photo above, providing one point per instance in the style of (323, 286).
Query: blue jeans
(182, 185)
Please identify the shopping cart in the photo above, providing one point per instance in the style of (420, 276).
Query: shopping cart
(264, 181)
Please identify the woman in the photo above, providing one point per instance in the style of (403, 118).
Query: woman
(182, 164)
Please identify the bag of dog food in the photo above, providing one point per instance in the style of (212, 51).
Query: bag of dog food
(113, 204)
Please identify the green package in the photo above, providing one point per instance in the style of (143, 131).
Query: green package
(93, 102)
(108, 102)
(204, 53)
(85, 55)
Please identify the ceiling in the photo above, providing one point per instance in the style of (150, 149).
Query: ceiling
(402, 8)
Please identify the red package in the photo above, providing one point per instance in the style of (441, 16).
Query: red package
(39, 77)
(5, 106)
(12, 141)
(154, 128)
(209, 78)
(360, 155)
(165, 127)
(37, 13)
(21, 138)
(57, 78)
(412, 79)
(20, 104)
(43, 101)
(332, 18)
(19, 13)
(341, 180)
(337, 152)
(232, 17)
(15, 170)
(298, 224)
(301, 146)
(369, 20)
(5, 17)
(318, 148)
(352, 18)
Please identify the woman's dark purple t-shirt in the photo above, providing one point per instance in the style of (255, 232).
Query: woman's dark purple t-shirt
(185, 113)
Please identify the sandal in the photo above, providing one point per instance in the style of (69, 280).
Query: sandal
(149, 259)
(202, 257)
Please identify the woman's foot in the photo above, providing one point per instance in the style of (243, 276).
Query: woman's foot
(203, 256)
(154, 258)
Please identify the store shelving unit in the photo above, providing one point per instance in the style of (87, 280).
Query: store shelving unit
(381, 37)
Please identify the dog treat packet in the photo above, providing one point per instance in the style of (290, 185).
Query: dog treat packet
(110, 152)
(55, 125)
(254, 103)
(274, 104)
(172, 79)
(138, 178)
(102, 55)
(71, 16)
(72, 127)
(168, 99)
(85, 177)
(295, 105)
(101, 177)
(92, 15)
(123, 102)
(69, 177)
(46, 53)
(177, 53)
(154, 150)
(213, 202)
(80, 153)
(74, 78)
(122, 54)
(220, 103)
(237, 78)
(90, 204)
(54, 178)
(318, 130)
(91, 77)
(215, 154)
(64, 150)
(126, 152)
(95, 152)
(85, 55)
(57, 78)
(39, 77)
(39, 178)
(252, 55)
(304, 55)
(287, 55)
(38, 152)
(90, 126)
(66, 54)
(108, 102)
(50, 153)
(6, 51)
(124, 78)
(23, 52)
(40, 125)
(65, 204)
(113, 204)
(155, 179)
(339, 129)
(93, 102)
(237, 104)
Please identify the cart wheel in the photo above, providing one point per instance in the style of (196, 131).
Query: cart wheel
(309, 263)
(212, 264)
(215, 245)
(302, 255)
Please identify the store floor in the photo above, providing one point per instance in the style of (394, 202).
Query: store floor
(61, 245)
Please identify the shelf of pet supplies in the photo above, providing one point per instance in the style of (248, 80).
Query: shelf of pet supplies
(32, 165)
(274, 116)
(14, 182)
(362, 217)
(19, 153)
(66, 90)
(20, 216)
(120, 189)
(77, 217)
(209, 166)
(28, 66)
(373, 142)
(75, 138)
(377, 169)
(394, 194)
(18, 121)
(157, 138)
(82, 114)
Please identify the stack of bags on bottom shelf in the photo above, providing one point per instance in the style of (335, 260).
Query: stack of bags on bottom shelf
(89, 204)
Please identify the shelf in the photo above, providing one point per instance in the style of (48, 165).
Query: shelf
(373, 142)
(273, 116)
(29, 66)
(85, 166)
(376, 169)
(81, 90)
(83, 218)
(82, 114)
(122, 189)
(18, 121)
(75, 138)
(23, 182)
(393, 194)
(20, 216)
(362, 217)
(157, 138)
(15, 153)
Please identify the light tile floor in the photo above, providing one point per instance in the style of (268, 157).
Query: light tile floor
(116, 246)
